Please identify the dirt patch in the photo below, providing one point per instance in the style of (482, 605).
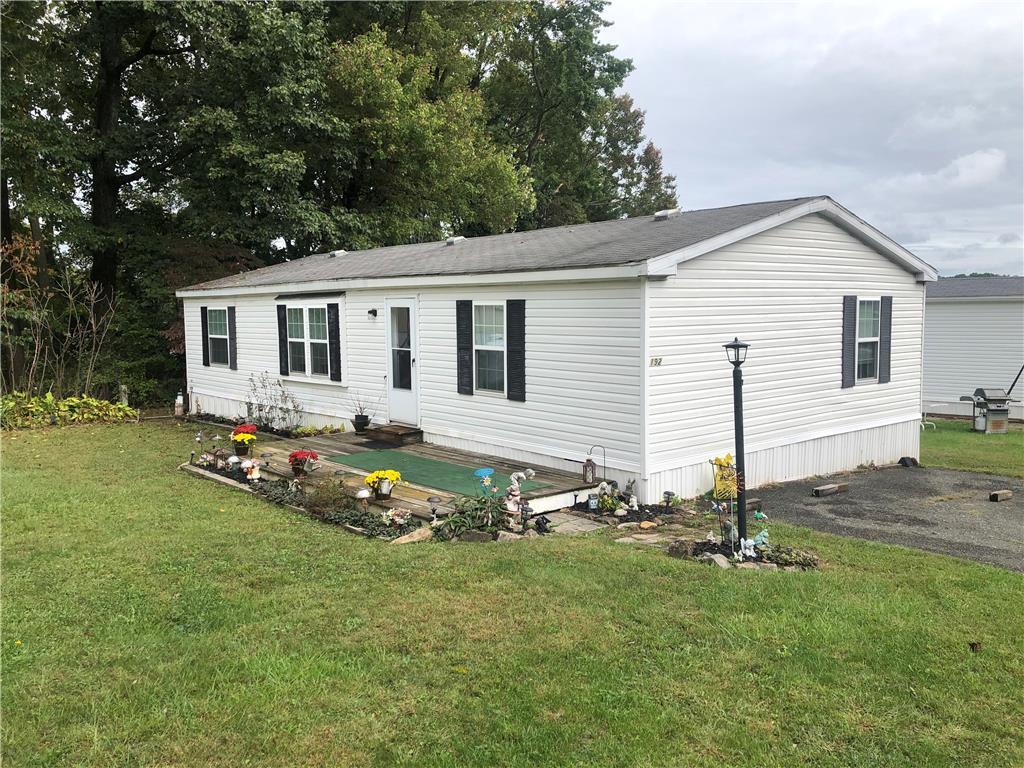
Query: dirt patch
(937, 510)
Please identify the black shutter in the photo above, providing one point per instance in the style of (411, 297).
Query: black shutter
(282, 337)
(849, 341)
(232, 343)
(334, 341)
(885, 340)
(464, 345)
(204, 321)
(515, 335)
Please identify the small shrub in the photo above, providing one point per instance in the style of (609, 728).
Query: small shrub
(308, 430)
(281, 492)
(19, 410)
(783, 556)
(485, 513)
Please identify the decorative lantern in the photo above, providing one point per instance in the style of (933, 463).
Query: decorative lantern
(589, 470)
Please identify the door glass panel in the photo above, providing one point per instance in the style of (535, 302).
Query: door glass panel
(400, 328)
(401, 369)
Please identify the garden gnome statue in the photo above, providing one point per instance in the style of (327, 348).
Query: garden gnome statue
(630, 494)
(747, 549)
(251, 469)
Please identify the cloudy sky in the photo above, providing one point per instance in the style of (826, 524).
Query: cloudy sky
(911, 115)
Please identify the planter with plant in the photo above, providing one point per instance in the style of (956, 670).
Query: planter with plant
(302, 462)
(362, 412)
(383, 481)
(243, 436)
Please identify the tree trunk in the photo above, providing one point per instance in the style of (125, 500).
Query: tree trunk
(105, 184)
(6, 235)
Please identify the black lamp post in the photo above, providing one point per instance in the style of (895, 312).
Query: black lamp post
(737, 352)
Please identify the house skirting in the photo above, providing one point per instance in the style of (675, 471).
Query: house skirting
(885, 444)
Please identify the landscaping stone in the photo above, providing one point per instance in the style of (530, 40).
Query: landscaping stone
(531, 534)
(791, 568)
(768, 566)
(746, 565)
(681, 548)
(1002, 495)
(474, 535)
(720, 560)
(508, 536)
(648, 524)
(420, 534)
(626, 540)
(627, 526)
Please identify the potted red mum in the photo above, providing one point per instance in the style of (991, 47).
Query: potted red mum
(302, 462)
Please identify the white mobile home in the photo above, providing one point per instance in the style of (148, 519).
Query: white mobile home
(973, 338)
(535, 346)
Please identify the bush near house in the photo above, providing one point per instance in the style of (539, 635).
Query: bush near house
(19, 410)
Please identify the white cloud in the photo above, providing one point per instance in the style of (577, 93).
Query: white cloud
(965, 172)
(910, 114)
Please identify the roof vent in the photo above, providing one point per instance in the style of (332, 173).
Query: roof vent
(454, 240)
(336, 254)
(667, 213)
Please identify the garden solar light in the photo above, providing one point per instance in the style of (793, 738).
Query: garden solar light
(525, 511)
(363, 494)
(669, 495)
(433, 501)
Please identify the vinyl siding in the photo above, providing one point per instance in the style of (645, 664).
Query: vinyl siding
(781, 292)
(583, 372)
(971, 343)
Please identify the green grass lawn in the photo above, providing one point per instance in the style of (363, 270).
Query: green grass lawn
(154, 619)
(953, 445)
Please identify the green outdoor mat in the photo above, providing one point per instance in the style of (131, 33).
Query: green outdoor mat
(428, 472)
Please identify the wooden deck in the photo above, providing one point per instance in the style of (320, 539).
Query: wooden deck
(407, 495)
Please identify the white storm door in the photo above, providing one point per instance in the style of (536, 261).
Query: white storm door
(403, 392)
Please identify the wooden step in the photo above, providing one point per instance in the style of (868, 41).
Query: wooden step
(396, 434)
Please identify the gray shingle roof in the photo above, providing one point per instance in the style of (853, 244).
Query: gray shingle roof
(976, 287)
(599, 244)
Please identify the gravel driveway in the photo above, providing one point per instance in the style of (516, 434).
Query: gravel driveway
(938, 510)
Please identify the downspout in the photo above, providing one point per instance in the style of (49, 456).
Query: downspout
(924, 300)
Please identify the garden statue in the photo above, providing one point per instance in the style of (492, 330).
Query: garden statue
(729, 532)
(251, 469)
(747, 549)
(633, 505)
(761, 539)
(513, 494)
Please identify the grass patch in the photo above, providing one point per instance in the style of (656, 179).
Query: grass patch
(151, 618)
(953, 445)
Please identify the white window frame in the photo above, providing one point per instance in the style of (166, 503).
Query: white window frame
(490, 348)
(210, 336)
(877, 339)
(307, 342)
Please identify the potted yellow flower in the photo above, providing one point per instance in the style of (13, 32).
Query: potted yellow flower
(243, 436)
(382, 481)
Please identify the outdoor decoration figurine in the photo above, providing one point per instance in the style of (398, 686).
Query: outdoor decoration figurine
(747, 549)
(234, 463)
(513, 494)
(383, 481)
(251, 469)
(302, 462)
(243, 436)
(363, 494)
(589, 470)
(483, 475)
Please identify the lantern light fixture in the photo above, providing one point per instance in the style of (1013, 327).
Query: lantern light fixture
(736, 351)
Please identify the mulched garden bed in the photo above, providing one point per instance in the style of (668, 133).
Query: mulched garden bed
(354, 519)
(656, 513)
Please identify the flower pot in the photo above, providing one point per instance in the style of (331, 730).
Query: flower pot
(299, 470)
(383, 490)
(360, 421)
(241, 449)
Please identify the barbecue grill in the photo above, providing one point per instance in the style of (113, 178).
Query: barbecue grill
(991, 410)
